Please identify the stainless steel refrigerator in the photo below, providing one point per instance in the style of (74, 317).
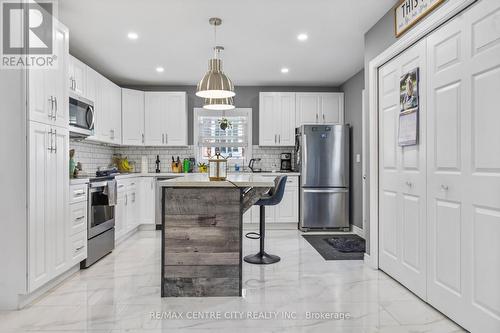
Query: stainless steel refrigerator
(322, 157)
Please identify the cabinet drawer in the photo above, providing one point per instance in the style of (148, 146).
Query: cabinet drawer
(78, 193)
(292, 181)
(78, 215)
(78, 247)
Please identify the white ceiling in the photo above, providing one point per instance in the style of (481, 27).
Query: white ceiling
(260, 37)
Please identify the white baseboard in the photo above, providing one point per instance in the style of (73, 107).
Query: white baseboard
(147, 227)
(358, 231)
(30, 298)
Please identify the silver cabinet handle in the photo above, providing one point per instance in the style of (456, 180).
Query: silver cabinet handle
(166, 138)
(126, 199)
(323, 117)
(316, 117)
(79, 193)
(51, 100)
(55, 140)
(163, 138)
(79, 248)
(71, 83)
(80, 218)
(57, 108)
(444, 187)
(275, 140)
(142, 137)
(409, 184)
(279, 138)
(51, 138)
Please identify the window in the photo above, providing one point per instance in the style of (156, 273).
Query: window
(234, 142)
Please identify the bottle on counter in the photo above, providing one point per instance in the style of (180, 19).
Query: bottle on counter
(157, 164)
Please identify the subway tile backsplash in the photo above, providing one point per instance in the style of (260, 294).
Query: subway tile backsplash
(94, 155)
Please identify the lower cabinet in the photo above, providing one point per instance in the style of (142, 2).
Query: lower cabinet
(135, 204)
(77, 229)
(286, 212)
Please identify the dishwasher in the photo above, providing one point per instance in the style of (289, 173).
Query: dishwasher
(158, 201)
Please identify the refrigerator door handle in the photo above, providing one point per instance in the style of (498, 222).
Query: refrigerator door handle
(336, 190)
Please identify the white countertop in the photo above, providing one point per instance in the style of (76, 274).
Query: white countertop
(171, 174)
(201, 180)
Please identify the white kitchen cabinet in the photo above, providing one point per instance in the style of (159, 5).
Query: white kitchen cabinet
(93, 92)
(128, 206)
(77, 228)
(319, 108)
(48, 98)
(132, 117)
(77, 76)
(120, 209)
(287, 211)
(165, 119)
(276, 119)
(108, 110)
(147, 200)
(48, 203)
(132, 203)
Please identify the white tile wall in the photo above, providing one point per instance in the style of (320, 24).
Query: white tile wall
(93, 155)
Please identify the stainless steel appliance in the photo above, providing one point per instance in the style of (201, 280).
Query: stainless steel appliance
(286, 162)
(81, 117)
(254, 165)
(101, 219)
(322, 154)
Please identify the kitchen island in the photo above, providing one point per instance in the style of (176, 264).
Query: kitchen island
(202, 233)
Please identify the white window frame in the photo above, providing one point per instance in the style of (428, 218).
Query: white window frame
(245, 112)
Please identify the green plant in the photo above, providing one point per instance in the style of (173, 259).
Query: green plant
(224, 123)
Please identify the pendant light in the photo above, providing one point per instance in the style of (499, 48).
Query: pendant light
(219, 103)
(215, 84)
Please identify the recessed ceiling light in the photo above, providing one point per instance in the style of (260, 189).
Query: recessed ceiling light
(284, 70)
(160, 69)
(132, 35)
(302, 37)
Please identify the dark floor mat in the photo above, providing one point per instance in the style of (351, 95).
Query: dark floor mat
(323, 244)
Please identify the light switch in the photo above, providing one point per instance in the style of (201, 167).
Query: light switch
(358, 158)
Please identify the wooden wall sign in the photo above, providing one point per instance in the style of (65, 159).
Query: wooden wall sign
(408, 12)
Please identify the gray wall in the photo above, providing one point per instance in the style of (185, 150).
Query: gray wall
(377, 39)
(246, 97)
(352, 89)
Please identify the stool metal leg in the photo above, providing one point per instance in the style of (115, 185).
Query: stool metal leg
(262, 258)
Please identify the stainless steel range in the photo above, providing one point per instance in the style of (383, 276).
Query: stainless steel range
(101, 218)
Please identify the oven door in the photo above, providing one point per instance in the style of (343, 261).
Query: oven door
(101, 214)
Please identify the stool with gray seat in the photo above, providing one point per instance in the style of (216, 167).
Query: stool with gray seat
(271, 199)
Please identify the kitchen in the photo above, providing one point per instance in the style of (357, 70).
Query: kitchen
(147, 193)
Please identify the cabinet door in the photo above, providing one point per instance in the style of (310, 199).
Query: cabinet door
(39, 225)
(132, 117)
(269, 124)
(132, 206)
(94, 94)
(332, 108)
(60, 76)
(121, 209)
(308, 108)
(41, 98)
(288, 209)
(58, 200)
(176, 119)
(104, 111)
(286, 121)
(155, 109)
(77, 76)
(115, 120)
(147, 201)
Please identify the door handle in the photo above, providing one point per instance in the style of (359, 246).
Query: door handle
(55, 140)
(79, 248)
(166, 138)
(316, 117)
(80, 218)
(323, 117)
(275, 138)
(55, 113)
(142, 137)
(444, 187)
(51, 114)
(163, 138)
(279, 138)
(409, 184)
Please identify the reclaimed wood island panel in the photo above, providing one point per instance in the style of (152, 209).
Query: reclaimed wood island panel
(202, 233)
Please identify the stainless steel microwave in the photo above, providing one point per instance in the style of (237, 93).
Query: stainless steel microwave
(81, 116)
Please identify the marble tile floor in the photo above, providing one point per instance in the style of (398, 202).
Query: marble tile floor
(121, 293)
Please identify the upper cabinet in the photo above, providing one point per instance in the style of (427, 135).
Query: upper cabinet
(133, 117)
(166, 119)
(48, 98)
(77, 76)
(276, 119)
(319, 108)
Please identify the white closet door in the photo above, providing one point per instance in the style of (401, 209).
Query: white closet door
(402, 187)
(464, 168)
(447, 163)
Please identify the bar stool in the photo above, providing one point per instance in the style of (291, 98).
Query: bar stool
(271, 199)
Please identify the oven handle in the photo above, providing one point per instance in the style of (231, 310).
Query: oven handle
(98, 184)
